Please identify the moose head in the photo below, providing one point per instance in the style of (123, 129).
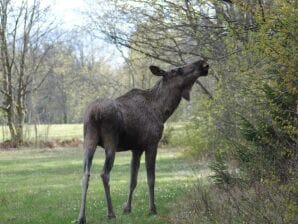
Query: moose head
(182, 78)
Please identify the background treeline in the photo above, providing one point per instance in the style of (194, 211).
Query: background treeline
(243, 116)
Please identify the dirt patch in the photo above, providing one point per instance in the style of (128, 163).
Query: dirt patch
(41, 144)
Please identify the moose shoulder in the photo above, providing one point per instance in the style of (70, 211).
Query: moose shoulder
(134, 121)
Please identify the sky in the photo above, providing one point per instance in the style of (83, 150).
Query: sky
(67, 11)
(68, 15)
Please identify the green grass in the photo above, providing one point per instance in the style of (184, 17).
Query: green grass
(46, 132)
(44, 186)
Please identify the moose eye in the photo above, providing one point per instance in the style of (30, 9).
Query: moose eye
(180, 71)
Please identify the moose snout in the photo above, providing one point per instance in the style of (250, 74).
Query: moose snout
(206, 65)
(204, 68)
(201, 64)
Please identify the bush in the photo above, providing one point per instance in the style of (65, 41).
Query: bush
(252, 119)
(242, 203)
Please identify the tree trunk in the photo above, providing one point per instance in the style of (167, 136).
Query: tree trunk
(20, 118)
(65, 117)
(19, 133)
(10, 124)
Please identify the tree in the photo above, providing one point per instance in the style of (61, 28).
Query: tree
(24, 44)
(172, 32)
(78, 75)
(252, 47)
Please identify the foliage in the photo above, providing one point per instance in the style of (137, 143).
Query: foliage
(259, 203)
(253, 117)
(24, 44)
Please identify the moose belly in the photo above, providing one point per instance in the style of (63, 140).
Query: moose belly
(140, 140)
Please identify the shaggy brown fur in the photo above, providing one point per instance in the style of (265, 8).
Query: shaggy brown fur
(134, 122)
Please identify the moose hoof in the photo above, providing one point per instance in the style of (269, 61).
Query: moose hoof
(152, 211)
(126, 209)
(81, 221)
(111, 215)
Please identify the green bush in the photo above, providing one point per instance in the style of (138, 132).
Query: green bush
(254, 204)
(252, 119)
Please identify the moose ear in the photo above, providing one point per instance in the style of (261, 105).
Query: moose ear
(157, 71)
(186, 94)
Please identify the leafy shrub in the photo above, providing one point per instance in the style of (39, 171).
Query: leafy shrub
(242, 203)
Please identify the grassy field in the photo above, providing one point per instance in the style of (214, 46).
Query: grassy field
(44, 186)
(45, 132)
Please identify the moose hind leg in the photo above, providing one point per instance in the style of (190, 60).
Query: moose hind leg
(89, 153)
(134, 168)
(105, 176)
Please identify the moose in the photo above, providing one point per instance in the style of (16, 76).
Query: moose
(134, 121)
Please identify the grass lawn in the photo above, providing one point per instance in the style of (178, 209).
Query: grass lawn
(44, 186)
(44, 132)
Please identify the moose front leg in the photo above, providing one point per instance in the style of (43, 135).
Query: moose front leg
(134, 168)
(150, 157)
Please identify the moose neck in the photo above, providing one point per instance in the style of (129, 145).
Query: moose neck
(165, 100)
